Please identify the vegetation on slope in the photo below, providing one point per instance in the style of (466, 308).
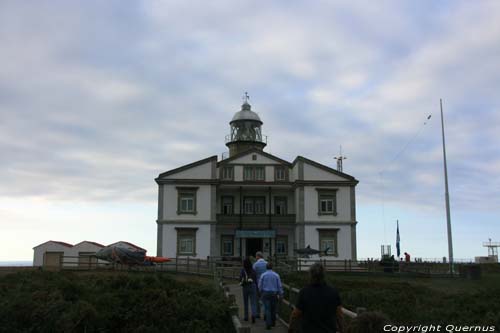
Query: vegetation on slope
(415, 301)
(109, 302)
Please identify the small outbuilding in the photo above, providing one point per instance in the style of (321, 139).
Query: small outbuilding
(50, 253)
(55, 254)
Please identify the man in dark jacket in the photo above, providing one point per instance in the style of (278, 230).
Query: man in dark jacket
(318, 307)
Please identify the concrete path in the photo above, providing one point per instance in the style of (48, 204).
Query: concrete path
(260, 325)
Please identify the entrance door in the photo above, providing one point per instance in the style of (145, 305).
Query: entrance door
(52, 259)
(253, 245)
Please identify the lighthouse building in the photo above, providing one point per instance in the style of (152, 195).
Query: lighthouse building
(254, 201)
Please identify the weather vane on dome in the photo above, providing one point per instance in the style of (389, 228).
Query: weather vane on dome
(246, 97)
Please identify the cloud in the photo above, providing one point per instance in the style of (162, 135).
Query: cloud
(97, 99)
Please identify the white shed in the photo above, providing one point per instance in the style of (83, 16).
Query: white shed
(81, 254)
(50, 253)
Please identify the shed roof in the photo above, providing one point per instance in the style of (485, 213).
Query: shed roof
(57, 242)
(90, 242)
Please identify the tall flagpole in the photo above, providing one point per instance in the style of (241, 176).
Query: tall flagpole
(447, 195)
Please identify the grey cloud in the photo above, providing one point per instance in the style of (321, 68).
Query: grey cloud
(98, 107)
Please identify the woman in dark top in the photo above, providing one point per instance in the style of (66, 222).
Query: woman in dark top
(248, 282)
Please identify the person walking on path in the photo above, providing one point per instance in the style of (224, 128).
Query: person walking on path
(248, 282)
(270, 288)
(259, 267)
(318, 307)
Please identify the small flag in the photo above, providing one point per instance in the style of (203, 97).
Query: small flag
(398, 249)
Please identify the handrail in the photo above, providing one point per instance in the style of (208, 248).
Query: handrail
(234, 308)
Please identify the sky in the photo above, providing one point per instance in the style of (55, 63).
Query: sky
(99, 97)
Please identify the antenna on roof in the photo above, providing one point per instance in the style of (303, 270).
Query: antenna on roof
(339, 159)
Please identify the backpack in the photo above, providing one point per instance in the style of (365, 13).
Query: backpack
(245, 280)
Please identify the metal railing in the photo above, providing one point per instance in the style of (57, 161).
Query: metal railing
(289, 264)
(231, 265)
(255, 218)
(235, 138)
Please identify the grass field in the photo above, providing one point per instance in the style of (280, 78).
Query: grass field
(410, 301)
(36, 301)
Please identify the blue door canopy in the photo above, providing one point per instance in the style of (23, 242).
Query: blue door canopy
(255, 233)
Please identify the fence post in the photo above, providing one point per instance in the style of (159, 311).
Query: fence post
(187, 264)
(198, 267)
(176, 263)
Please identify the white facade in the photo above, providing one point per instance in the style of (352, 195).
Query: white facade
(208, 227)
(254, 201)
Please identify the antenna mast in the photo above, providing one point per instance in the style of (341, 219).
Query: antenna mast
(339, 159)
(447, 195)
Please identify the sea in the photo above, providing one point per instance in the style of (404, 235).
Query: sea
(16, 263)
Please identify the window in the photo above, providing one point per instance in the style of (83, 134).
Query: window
(227, 205)
(326, 204)
(227, 246)
(281, 245)
(280, 205)
(260, 206)
(327, 201)
(186, 241)
(259, 173)
(187, 203)
(254, 205)
(186, 245)
(247, 173)
(248, 205)
(279, 173)
(328, 240)
(186, 200)
(254, 173)
(227, 173)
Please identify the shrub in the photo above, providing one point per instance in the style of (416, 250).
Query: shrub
(82, 302)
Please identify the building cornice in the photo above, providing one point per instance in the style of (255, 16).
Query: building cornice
(250, 151)
(253, 182)
(188, 181)
(326, 223)
(186, 167)
(297, 183)
(322, 167)
(182, 222)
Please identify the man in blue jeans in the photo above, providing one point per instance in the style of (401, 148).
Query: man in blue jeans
(259, 267)
(270, 288)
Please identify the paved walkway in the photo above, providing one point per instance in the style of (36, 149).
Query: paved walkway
(260, 325)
